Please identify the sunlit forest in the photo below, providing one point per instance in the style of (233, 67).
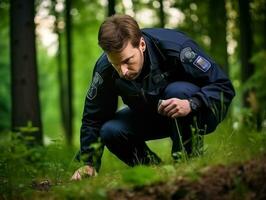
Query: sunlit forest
(48, 49)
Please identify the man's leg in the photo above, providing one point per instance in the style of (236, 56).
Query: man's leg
(126, 134)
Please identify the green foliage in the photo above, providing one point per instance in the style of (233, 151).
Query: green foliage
(140, 175)
(255, 114)
(24, 172)
(28, 129)
(14, 165)
(182, 155)
(5, 101)
(196, 20)
(23, 168)
(257, 80)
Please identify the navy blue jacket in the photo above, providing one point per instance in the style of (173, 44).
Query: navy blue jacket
(170, 56)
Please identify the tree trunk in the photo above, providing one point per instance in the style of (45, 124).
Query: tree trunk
(247, 68)
(111, 7)
(246, 44)
(69, 72)
(62, 86)
(263, 26)
(161, 14)
(217, 32)
(24, 75)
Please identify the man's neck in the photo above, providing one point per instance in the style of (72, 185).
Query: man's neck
(145, 68)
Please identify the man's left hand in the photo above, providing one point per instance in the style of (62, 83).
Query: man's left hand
(82, 172)
(174, 107)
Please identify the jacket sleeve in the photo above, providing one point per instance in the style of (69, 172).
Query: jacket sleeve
(100, 106)
(216, 90)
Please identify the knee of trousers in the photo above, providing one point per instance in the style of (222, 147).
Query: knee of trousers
(110, 132)
(207, 121)
(180, 89)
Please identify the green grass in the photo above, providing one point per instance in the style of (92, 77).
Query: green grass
(20, 167)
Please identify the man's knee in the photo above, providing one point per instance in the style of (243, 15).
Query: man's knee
(207, 122)
(180, 90)
(110, 131)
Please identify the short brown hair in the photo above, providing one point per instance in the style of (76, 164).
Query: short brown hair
(116, 31)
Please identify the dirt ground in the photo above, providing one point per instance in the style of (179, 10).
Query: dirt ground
(245, 181)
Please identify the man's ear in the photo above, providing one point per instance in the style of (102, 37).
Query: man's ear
(142, 44)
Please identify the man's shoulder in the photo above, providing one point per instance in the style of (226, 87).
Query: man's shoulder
(160, 30)
(169, 40)
(102, 64)
(166, 34)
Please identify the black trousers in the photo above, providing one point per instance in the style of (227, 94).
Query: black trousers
(125, 135)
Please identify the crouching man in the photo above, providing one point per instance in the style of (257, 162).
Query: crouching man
(168, 84)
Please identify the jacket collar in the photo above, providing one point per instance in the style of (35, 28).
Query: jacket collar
(155, 54)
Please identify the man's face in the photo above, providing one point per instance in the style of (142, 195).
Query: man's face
(129, 62)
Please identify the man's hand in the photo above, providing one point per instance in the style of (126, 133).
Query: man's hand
(82, 172)
(174, 107)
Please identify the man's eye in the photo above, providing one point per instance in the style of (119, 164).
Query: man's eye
(130, 62)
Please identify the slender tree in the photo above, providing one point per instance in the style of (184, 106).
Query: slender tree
(258, 21)
(111, 7)
(5, 99)
(162, 14)
(247, 68)
(217, 31)
(246, 43)
(69, 72)
(24, 76)
(263, 25)
(60, 72)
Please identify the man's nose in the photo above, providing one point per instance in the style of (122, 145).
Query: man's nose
(124, 69)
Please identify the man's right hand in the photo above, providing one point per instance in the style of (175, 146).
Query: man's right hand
(83, 172)
(174, 107)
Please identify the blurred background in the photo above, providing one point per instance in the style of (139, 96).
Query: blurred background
(48, 49)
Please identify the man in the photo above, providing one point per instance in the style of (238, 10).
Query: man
(169, 85)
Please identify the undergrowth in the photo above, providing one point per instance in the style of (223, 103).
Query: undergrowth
(44, 172)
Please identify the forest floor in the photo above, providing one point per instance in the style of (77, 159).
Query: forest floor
(245, 180)
(233, 166)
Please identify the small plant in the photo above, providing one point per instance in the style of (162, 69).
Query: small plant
(140, 175)
(180, 156)
(197, 139)
(15, 159)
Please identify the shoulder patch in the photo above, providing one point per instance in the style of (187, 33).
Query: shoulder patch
(202, 63)
(97, 80)
(187, 55)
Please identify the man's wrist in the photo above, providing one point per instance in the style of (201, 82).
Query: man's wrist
(195, 104)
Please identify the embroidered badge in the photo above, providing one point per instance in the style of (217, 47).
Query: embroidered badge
(202, 63)
(97, 80)
(187, 55)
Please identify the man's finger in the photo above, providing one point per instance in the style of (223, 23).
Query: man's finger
(162, 104)
(76, 176)
(169, 108)
(172, 112)
(160, 107)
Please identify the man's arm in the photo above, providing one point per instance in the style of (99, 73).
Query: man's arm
(100, 106)
(216, 90)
